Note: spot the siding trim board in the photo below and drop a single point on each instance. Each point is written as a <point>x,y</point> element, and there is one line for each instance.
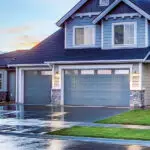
<point>87,14</point>
<point>106,11</point>
<point>131,15</point>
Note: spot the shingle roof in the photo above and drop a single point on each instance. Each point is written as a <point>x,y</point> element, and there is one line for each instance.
<point>7,58</point>
<point>52,49</point>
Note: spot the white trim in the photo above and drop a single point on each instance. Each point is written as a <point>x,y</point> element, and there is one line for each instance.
<point>71,12</point>
<point>25,65</point>
<point>125,45</point>
<point>17,80</point>
<point>141,75</point>
<point>102,35</point>
<point>145,59</point>
<point>131,15</point>
<point>63,67</point>
<point>146,33</point>
<point>65,35</point>
<point>89,14</point>
<point>114,4</point>
<point>93,38</point>
<point>3,73</point>
<point>95,61</point>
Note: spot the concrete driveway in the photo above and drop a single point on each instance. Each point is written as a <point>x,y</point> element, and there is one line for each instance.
<point>41,119</point>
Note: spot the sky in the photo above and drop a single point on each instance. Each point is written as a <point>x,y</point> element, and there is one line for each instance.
<point>24,23</point>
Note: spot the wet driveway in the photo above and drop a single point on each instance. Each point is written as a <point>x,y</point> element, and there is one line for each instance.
<point>19,123</point>
<point>28,143</point>
<point>42,119</point>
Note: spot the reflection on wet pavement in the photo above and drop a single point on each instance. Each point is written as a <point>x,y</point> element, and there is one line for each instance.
<point>27,143</point>
<point>41,119</point>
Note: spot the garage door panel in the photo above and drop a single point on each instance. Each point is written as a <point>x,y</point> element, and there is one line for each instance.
<point>37,88</point>
<point>104,90</point>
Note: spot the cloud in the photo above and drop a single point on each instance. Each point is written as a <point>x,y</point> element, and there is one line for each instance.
<point>16,29</point>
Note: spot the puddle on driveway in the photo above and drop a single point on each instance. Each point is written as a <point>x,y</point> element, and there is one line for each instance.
<point>29,119</point>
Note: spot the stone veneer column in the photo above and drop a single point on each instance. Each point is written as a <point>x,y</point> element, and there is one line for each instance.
<point>137,99</point>
<point>55,96</point>
<point>56,86</point>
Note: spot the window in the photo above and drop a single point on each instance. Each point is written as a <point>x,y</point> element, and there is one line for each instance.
<point>124,34</point>
<point>104,2</point>
<point>104,72</point>
<point>84,36</point>
<point>87,72</point>
<point>120,72</point>
<point>46,73</point>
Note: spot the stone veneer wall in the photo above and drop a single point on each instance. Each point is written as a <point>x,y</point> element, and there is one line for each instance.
<point>137,99</point>
<point>56,96</point>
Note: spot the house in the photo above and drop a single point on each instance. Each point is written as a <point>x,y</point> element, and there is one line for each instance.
<point>8,75</point>
<point>99,57</point>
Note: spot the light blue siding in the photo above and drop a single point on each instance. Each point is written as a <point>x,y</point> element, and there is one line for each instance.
<point>97,90</point>
<point>107,36</point>
<point>77,21</point>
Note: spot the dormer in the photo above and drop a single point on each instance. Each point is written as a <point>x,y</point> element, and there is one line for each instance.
<point>106,24</point>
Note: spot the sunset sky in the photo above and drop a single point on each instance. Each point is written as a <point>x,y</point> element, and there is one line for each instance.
<point>24,23</point>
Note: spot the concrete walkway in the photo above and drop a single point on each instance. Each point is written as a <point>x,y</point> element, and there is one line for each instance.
<point>115,126</point>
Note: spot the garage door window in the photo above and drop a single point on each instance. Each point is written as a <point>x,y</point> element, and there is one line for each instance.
<point>126,72</point>
<point>87,72</point>
<point>71,72</point>
<point>102,72</point>
<point>46,73</point>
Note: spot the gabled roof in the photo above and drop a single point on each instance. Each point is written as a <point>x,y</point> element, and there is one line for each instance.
<point>71,12</point>
<point>128,2</point>
<point>52,50</point>
<point>141,6</point>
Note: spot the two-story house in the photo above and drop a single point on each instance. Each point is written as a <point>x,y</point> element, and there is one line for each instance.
<point>99,57</point>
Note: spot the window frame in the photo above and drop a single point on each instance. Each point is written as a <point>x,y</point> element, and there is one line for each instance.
<point>124,45</point>
<point>93,36</point>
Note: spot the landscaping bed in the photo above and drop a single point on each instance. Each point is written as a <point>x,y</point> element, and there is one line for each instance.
<point>134,117</point>
<point>100,132</point>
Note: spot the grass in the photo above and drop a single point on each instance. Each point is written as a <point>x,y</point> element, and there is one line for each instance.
<point>100,132</point>
<point>135,117</point>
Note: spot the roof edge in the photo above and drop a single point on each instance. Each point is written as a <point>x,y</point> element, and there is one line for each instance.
<point>71,12</point>
<point>114,4</point>
<point>94,61</point>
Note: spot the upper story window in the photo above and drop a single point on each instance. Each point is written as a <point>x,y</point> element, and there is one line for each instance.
<point>104,2</point>
<point>84,36</point>
<point>124,34</point>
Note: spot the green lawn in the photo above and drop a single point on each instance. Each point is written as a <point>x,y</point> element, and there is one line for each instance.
<point>99,132</point>
<point>135,117</point>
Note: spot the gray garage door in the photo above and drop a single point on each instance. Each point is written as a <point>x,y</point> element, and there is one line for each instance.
<point>97,89</point>
<point>12,84</point>
<point>37,87</point>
